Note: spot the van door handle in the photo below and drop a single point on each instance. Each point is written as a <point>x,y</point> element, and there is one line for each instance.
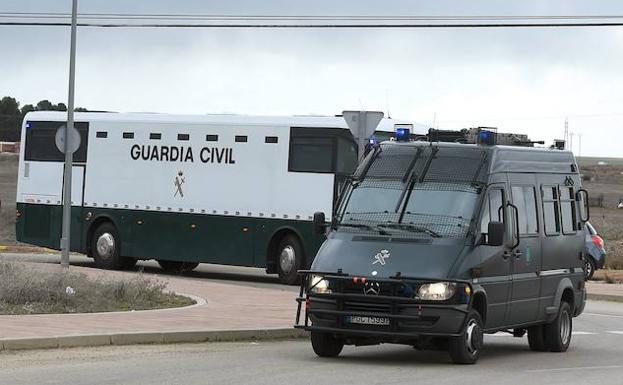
<point>506,254</point>
<point>518,254</point>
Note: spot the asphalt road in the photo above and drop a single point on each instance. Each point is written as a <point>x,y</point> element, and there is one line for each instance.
<point>595,357</point>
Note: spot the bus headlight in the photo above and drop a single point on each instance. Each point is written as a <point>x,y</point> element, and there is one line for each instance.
<point>319,285</point>
<point>438,291</point>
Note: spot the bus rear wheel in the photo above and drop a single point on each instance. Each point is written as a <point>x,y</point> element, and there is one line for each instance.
<point>289,259</point>
<point>177,267</point>
<point>106,248</point>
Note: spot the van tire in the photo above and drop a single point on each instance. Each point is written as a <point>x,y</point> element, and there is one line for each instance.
<point>106,248</point>
<point>326,345</point>
<point>558,332</point>
<point>536,338</point>
<point>465,349</point>
<point>290,258</point>
<point>177,267</point>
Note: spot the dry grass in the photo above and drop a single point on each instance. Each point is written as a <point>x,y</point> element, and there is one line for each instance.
<point>609,224</point>
<point>24,291</point>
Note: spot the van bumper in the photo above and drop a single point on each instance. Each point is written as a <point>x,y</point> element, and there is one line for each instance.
<point>406,322</point>
<point>386,318</point>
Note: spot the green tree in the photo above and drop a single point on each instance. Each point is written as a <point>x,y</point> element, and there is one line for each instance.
<point>27,108</point>
<point>45,105</point>
<point>9,106</point>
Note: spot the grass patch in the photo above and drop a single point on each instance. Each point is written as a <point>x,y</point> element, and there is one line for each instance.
<point>27,291</point>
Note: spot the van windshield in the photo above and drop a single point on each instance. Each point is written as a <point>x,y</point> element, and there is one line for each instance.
<point>436,195</point>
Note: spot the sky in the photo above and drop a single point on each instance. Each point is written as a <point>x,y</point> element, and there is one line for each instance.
<point>519,80</point>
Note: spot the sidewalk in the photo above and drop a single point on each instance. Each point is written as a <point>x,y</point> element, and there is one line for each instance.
<point>224,312</point>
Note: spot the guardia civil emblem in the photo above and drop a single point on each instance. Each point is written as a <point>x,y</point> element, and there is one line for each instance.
<point>380,257</point>
<point>179,182</point>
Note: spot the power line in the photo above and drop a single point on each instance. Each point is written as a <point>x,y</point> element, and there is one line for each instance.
<point>316,26</point>
<point>306,17</point>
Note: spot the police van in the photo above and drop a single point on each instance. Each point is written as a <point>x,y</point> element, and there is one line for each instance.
<point>434,244</point>
<point>225,189</point>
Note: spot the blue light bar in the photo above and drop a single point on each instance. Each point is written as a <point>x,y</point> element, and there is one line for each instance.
<point>403,134</point>
<point>372,140</point>
<point>487,137</point>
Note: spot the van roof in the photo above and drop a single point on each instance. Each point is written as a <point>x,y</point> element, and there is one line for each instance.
<point>518,159</point>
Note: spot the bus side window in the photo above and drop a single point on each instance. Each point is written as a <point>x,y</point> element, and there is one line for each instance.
<point>308,154</point>
<point>346,156</point>
<point>551,210</point>
<point>41,142</point>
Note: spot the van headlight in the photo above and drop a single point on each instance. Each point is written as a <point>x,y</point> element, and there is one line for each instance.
<point>319,285</point>
<point>438,291</point>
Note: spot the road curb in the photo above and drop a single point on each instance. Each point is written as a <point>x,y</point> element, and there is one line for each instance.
<point>119,339</point>
<point>605,297</point>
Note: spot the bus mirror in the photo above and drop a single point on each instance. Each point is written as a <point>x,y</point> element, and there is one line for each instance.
<point>320,225</point>
<point>495,236</point>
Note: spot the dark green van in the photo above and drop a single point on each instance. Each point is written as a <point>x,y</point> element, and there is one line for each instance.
<point>435,244</point>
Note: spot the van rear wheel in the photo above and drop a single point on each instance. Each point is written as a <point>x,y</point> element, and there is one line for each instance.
<point>536,338</point>
<point>466,348</point>
<point>326,345</point>
<point>558,333</point>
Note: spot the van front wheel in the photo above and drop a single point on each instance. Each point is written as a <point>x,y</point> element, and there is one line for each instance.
<point>326,345</point>
<point>466,348</point>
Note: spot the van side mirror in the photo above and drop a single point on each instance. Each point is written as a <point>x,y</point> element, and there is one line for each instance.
<point>495,236</point>
<point>320,224</point>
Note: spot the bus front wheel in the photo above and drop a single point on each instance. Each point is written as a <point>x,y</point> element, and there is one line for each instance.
<point>106,248</point>
<point>290,259</point>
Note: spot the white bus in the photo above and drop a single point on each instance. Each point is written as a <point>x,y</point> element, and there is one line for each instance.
<point>225,189</point>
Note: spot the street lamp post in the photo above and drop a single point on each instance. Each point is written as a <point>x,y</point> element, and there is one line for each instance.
<point>65,238</point>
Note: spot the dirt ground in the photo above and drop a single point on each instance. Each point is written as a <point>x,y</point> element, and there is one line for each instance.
<point>8,183</point>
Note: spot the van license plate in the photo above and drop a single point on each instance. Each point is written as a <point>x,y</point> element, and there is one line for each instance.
<point>365,320</point>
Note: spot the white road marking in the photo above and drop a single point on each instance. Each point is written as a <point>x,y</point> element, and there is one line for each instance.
<point>578,333</point>
<point>616,332</point>
<point>576,368</point>
<point>604,315</point>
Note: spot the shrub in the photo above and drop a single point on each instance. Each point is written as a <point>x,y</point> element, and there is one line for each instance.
<point>24,291</point>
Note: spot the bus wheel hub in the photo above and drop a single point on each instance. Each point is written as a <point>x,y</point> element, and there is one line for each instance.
<point>106,245</point>
<point>286,259</point>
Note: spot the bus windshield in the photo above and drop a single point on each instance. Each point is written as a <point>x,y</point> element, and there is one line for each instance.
<point>429,196</point>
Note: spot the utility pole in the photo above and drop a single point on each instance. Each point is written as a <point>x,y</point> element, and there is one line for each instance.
<point>65,237</point>
<point>566,132</point>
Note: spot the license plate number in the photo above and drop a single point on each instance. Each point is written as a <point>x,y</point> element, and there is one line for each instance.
<point>365,320</point>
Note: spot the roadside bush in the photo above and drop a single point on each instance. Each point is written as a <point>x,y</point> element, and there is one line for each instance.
<point>24,290</point>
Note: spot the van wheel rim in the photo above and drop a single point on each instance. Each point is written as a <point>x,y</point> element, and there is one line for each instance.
<point>565,327</point>
<point>473,335</point>
<point>105,245</point>
<point>287,258</point>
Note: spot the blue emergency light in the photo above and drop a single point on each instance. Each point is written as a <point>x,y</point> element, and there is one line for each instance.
<point>403,134</point>
<point>487,137</point>
<point>372,140</point>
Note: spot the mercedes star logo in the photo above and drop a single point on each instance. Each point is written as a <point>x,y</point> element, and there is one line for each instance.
<point>371,288</point>
<point>381,257</point>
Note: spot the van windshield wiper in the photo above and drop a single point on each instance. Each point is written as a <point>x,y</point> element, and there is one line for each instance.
<point>364,226</point>
<point>412,228</point>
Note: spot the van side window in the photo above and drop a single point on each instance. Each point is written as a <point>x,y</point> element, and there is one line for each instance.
<point>493,209</point>
<point>567,205</point>
<point>524,197</point>
<point>551,210</point>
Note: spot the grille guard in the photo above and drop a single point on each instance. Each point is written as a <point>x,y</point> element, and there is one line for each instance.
<point>339,297</point>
